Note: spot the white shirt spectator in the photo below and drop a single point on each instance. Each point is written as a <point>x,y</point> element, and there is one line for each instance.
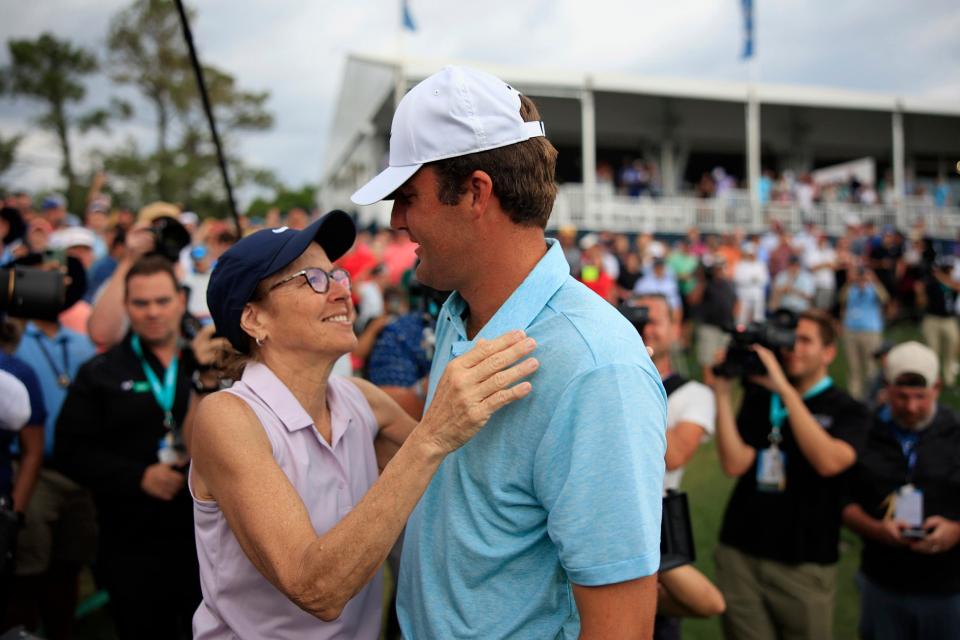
<point>799,298</point>
<point>820,262</point>
<point>750,278</point>
<point>693,402</point>
<point>665,285</point>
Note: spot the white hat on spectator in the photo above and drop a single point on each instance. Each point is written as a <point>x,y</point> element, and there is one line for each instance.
<point>656,249</point>
<point>188,217</point>
<point>589,241</point>
<point>749,248</point>
<point>73,237</point>
<point>455,112</point>
<point>14,402</point>
<point>912,357</point>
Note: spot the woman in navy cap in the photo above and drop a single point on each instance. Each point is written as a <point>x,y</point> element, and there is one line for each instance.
<point>292,520</point>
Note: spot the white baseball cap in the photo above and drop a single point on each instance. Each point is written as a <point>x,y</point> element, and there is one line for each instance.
<point>454,112</point>
<point>73,237</point>
<point>912,357</point>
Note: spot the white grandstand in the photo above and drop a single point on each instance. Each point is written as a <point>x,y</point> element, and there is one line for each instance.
<point>686,127</point>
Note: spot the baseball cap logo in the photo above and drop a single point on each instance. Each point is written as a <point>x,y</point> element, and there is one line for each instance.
<point>280,229</point>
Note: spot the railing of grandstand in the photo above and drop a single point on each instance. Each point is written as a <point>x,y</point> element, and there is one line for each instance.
<point>604,210</point>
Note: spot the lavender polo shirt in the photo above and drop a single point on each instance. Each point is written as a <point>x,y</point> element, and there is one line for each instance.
<point>238,602</point>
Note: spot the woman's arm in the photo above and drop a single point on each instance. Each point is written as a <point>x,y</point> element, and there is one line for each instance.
<point>234,465</point>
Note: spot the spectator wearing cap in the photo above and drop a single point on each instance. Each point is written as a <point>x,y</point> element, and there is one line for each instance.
<point>54,209</point>
<point>660,280</point>
<point>905,504</point>
<point>862,299</point>
<point>537,504</point>
<point>793,288</point>
<point>292,521</point>
<point>593,273</point>
<point>59,533</point>
<point>751,278</point>
<point>78,243</point>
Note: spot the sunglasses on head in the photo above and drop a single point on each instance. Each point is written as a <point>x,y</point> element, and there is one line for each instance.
<point>319,279</point>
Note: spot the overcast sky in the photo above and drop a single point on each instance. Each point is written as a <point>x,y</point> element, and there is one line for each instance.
<point>295,49</point>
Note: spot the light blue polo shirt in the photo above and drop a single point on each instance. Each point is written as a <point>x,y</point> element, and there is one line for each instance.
<point>562,486</point>
<point>64,353</point>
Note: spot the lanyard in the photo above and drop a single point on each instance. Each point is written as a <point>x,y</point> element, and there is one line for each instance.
<point>778,412</point>
<point>166,393</point>
<point>63,377</point>
<point>906,439</point>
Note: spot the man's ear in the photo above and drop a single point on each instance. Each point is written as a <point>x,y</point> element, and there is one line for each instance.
<point>479,191</point>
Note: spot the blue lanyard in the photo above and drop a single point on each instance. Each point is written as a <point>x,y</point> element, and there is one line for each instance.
<point>166,393</point>
<point>906,439</point>
<point>778,412</point>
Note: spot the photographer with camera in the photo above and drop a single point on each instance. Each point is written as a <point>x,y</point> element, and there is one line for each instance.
<point>863,299</point>
<point>123,433</point>
<point>905,504</point>
<point>691,413</point>
<point>793,437</point>
<point>157,231</point>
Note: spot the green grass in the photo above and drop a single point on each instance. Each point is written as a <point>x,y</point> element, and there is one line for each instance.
<point>708,491</point>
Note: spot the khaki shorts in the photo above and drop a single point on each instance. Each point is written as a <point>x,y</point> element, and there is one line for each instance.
<point>710,339</point>
<point>769,599</point>
<point>60,527</point>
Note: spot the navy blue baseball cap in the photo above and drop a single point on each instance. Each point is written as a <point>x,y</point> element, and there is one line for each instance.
<point>262,254</point>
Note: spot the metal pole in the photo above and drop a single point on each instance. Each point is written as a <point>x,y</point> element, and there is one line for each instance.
<point>202,86</point>
<point>588,149</point>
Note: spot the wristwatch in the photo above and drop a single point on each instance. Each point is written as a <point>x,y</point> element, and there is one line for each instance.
<point>198,385</point>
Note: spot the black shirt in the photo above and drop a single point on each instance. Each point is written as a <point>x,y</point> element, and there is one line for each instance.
<point>940,298</point>
<point>719,298</point>
<point>802,523</point>
<point>882,469</point>
<point>108,433</point>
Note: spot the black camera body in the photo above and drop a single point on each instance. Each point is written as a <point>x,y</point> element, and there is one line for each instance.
<point>779,332</point>
<point>27,292</point>
<point>170,237</point>
<point>637,314</point>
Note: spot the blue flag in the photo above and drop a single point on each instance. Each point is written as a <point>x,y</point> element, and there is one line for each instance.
<point>747,29</point>
<point>408,23</point>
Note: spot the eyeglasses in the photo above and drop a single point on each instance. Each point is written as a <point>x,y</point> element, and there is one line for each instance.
<point>318,279</point>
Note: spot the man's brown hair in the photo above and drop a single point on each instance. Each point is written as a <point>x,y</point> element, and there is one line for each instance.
<point>523,174</point>
<point>825,324</point>
<point>149,265</point>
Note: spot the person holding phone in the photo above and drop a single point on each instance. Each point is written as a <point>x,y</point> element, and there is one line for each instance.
<point>905,504</point>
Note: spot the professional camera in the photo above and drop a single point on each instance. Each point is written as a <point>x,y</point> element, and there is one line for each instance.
<point>31,293</point>
<point>637,314</point>
<point>779,332</point>
<point>170,237</point>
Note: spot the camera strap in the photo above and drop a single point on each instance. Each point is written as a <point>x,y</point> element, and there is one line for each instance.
<point>63,376</point>
<point>165,393</point>
<point>778,412</point>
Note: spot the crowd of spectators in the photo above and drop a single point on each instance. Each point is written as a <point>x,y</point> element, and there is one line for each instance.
<point>700,286</point>
<point>641,177</point>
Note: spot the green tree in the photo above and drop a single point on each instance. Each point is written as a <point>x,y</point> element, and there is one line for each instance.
<point>147,51</point>
<point>8,153</point>
<point>50,70</point>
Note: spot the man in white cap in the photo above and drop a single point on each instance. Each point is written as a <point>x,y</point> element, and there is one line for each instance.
<point>547,524</point>
<point>905,504</point>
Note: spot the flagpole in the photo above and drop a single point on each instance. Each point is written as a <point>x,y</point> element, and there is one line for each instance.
<point>753,115</point>
<point>399,87</point>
